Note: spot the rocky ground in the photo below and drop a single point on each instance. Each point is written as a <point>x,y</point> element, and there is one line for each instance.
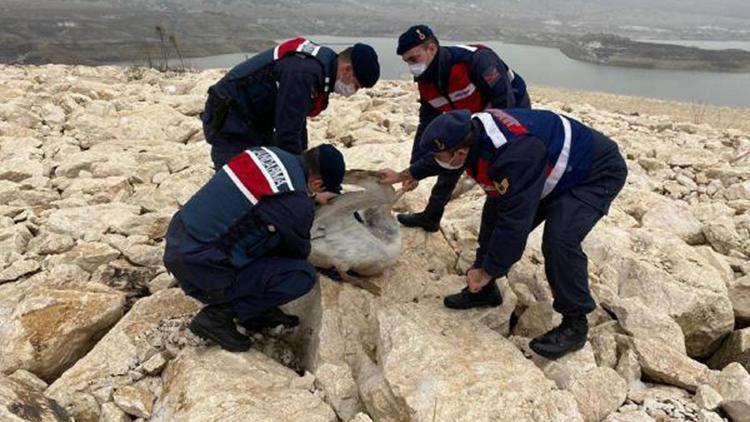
<point>94,161</point>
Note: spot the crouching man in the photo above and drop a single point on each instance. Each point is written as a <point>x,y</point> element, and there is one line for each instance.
<point>240,244</point>
<point>534,166</point>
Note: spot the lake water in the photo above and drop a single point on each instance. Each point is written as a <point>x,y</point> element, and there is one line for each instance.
<point>548,66</point>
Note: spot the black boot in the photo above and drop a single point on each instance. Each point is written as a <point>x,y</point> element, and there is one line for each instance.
<point>427,221</point>
<point>488,296</point>
<point>216,323</point>
<point>568,337</point>
<point>270,318</point>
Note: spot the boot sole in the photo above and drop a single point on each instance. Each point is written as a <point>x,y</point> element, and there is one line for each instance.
<point>429,230</point>
<point>266,326</point>
<point>208,335</point>
<point>417,226</point>
<point>484,305</point>
<point>552,356</point>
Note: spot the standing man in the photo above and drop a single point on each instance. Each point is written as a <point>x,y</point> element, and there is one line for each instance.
<point>240,244</point>
<point>453,78</point>
<point>265,100</point>
<point>534,166</point>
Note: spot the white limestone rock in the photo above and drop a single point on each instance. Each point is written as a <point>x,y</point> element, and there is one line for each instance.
<point>46,329</point>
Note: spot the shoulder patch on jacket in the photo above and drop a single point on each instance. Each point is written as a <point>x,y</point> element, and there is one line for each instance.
<point>502,186</point>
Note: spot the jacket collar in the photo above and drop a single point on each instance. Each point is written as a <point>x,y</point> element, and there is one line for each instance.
<point>472,160</point>
<point>334,68</point>
<point>439,69</point>
<point>303,165</point>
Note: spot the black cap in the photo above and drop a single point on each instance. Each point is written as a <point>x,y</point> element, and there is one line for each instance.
<point>365,64</point>
<point>413,37</point>
<point>332,167</point>
<point>446,131</point>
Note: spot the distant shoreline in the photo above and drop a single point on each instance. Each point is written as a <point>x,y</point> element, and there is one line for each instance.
<point>613,50</point>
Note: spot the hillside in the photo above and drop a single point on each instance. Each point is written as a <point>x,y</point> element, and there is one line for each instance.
<point>94,162</point>
<point>619,51</point>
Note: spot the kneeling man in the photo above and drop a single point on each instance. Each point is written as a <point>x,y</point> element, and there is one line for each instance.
<point>240,244</point>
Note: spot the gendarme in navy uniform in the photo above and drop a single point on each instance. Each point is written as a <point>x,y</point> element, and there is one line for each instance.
<point>265,100</point>
<point>535,166</point>
<point>240,244</point>
<point>470,77</point>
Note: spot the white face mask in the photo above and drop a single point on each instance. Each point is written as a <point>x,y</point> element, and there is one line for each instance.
<point>344,89</point>
<point>449,165</point>
<point>417,69</point>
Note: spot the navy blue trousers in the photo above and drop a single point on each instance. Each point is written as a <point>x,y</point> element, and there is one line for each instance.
<point>205,273</point>
<point>568,218</point>
<point>441,194</point>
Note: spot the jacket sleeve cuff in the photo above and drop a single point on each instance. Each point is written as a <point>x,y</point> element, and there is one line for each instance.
<point>419,172</point>
<point>493,269</point>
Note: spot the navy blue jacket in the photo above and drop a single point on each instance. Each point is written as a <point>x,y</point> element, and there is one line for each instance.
<point>522,165</point>
<point>292,214</point>
<point>270,108</point>
<point>256,205</point>
<point>505,226</point>
<point>203,264</point>
<point>501,93</point>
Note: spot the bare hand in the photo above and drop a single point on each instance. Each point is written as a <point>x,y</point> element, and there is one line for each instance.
<point>389,177</point>
<point>324,197</point>
<point>477,278</point>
